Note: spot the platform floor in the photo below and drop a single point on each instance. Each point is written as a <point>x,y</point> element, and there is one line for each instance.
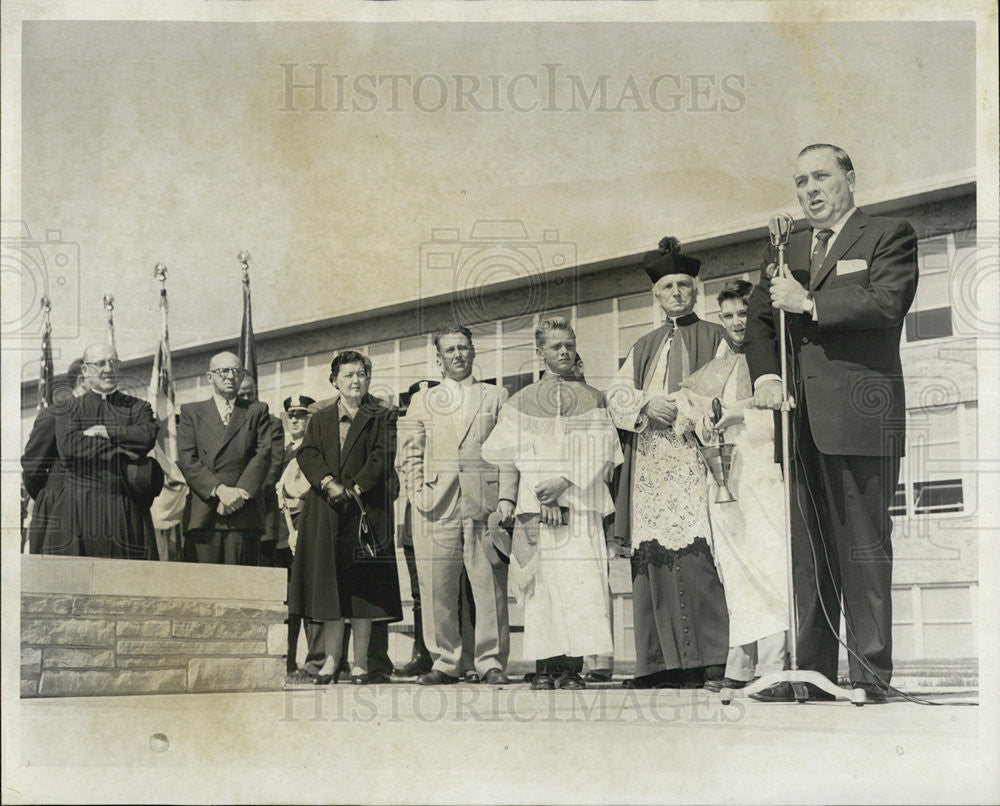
<point>470,743</point>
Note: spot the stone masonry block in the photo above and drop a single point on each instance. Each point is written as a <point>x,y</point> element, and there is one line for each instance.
<point>235,674</point>
<point>143,628</point>
<point>135,606</point>
<point>31,659</point>
<point>246,630</point>
<point>62,658</point>
<point>192,647</point>
<point>34,603</point>
<point>29,684</point>
<point>256,611</point>
<point>67,683</point>
<point>73,631</point>
<point>277,639</point>
<point>152,662</point>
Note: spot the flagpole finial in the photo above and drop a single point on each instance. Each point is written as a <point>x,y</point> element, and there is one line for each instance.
<point>160,272</point>
<point>244,258</point>
<point>109,302</point>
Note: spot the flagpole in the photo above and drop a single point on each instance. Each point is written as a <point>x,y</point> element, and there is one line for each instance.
<point>109,306</point>
<point>248,350</point>
<point>45,372</point>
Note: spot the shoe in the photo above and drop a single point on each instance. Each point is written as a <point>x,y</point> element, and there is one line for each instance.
<point>598,676</point>
<point>360,679</point>
<point>569,680</point>
<point>416,667</point>
<point>324,679</point>
<point>715,686</point>
<point>542,682</point>
<point>876,694</point>
<point>655,680</point>
<point>495,677</point>
<point>471,677</point>
<point>377,678</point>
<point>436,678</point>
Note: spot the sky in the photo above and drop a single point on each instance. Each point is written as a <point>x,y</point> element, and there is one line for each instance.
<point>180,143</point>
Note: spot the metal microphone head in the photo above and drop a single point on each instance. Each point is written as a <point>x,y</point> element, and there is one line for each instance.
<point>780,229</point>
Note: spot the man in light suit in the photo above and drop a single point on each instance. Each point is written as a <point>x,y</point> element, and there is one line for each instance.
<point>224,452</point>
<point>853,280</point>
<point>452,491</point>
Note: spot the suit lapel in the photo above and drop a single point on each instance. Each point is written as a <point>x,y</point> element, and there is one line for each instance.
<point>478,393</point>
<point>358,425</point>
<point>209,414</point>
<point>845,240</point>
<point>236,421</point>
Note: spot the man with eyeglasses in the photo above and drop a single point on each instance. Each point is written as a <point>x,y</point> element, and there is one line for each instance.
<point>103,437</point>
<point>224,452</point>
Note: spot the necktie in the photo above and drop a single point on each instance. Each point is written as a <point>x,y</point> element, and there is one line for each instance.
<point>819,251</point>
<point>229,412</point>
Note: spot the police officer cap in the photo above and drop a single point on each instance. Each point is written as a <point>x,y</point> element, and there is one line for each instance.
<point>298,403</point>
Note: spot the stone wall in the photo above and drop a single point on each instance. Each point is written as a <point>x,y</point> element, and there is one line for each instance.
<point>103,627</point>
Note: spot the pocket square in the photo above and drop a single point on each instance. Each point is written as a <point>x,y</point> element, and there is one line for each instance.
<point>851,266</point>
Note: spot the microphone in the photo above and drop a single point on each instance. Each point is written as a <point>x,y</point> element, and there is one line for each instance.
<point>780,228</point>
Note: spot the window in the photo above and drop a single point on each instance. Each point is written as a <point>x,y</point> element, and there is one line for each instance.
<point>931,475</point>
<point>637,315</point>
<point>930,314</point>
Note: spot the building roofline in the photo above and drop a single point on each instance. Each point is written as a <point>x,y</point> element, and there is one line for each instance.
<point>950,187</point>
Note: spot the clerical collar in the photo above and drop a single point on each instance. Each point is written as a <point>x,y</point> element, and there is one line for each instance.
<point>104,395</point>
<point>686,319</point>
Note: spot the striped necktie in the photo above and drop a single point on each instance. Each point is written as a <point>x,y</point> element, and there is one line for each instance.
<point>819,251</point>
<point>229,412</point>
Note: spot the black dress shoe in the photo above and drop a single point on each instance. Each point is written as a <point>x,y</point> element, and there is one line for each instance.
<point>875,693</point>
<point>471,676</point>
<point>598,676</point>
<point>717,685</point>
<point>378,677</point>
<point>361,679</point>
<point>542,682</point>
<point>324,679</point>
<point>416,667</point>
<point>656,680</point>
<point>495,677</point>
<point>569,680</point>
<point>436,678</point>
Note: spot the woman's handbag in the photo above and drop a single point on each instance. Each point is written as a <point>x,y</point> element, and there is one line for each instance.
<point>366,535</point>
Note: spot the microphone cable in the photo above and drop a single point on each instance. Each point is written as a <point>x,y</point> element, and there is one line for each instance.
<point>796,455</point>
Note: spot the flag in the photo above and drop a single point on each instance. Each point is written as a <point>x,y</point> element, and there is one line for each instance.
<point>45,372</point>
<point>168,506</point>
<point>248,351</point>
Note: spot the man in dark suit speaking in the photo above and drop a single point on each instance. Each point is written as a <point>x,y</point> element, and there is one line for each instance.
<point>853,280</point>
<point>224,452</point>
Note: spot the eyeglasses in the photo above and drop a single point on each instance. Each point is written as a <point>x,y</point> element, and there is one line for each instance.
<point>227,372</point>
<point>111,363</point>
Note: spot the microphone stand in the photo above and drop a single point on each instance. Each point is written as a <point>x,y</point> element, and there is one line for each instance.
<point>796,677</point>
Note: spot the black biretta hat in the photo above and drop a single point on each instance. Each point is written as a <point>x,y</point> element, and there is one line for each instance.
<point>669,260</point>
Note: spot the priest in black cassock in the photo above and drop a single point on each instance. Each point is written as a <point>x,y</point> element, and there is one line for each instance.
<point>680,617</point>
<point>104,436</point>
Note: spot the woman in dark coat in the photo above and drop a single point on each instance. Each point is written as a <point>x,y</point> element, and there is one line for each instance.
<point>349,445</point>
